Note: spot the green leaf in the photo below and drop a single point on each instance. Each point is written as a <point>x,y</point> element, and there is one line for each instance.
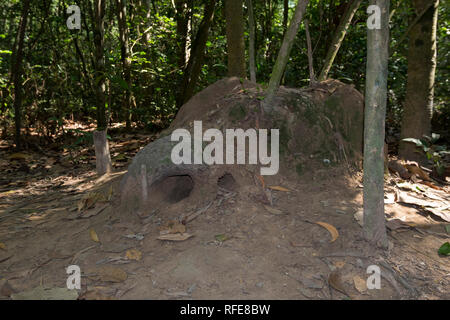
<point>444,249</point>
<point>221,237</point>
<point>435,137</point>
<point>414,140</point>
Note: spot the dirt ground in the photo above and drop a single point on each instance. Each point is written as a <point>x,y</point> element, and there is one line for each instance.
<point>54,213</point>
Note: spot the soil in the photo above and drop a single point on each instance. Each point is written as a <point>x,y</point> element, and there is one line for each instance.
<point>255,238</point>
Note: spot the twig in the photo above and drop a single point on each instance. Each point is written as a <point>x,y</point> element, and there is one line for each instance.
<point>196,214</point>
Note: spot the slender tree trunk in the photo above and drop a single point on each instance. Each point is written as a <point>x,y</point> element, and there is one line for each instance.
<point>103,159</point>
<point>183,17</point>
<point>312,77</point>
<point>102,156</point>
<point>125,57</point>
<point>99,62</point>
<point>194,66</point>
<point>235,38</point>
<point>338,37</point>
<point>374,117</point>
<point>147,4</point>
<point>17,72</point>
<point>283,54</point>
<point>251,45</point>
<point>285,15</point>
<point>418,106</point>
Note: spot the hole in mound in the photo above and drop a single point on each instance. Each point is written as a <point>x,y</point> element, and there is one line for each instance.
<point>173,189</point>
<point>227,182</point>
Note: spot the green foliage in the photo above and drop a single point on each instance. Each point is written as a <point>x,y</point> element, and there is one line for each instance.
<point>444,249</point>
<point>435,153</point>
<point>59,73</point>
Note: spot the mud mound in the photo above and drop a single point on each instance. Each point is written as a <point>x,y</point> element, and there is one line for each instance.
<point>319,125</point>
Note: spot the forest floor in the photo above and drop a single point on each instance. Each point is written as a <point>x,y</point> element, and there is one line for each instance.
<point>55,213</point>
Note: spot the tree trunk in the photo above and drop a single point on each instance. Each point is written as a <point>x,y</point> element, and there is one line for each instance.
<point>195,63</point>
<point>374,117</point>
<point>17,72</point>
<point>251,45</point>
<point>125,57</point>
<point>182,17</point>
<point>102,157</point>
<point>235,38</point>
<point>338,37</point>
<point>418,107</point>
<point>312,77</point>
<point>283,54</point>
<point>99,62</point>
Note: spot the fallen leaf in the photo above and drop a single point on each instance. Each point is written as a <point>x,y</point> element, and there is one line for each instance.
<point>360,284</point>
<point>221,237</point>
<point>111,274</point>
<point>133,254</point>
<point>339,264</point>
<point>334,280</point>
<point>405,198</point>
<point>173,227</point>
<point>445,249</point>
<point>279,188</point>
<point>273,210</point>
<point>2,246</point>
<point>94,235</point>
<point>331,229</point>
<point>175,237</point>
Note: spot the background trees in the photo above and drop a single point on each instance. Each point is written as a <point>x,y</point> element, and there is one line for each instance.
<point>157,54</point>
<point>422,49</point>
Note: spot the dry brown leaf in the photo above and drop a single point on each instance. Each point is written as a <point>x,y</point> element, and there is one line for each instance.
<point>94,235</point>
<point>331,229</point>
<point>279,188</point>
<point>2,246</point>
<point>339,264</point>
<point>175,237</point>
<point>172,227</point>
<point>133,254</point>
<point>334,280</point>
<point>111,274</point>
<point>273,210</point>
<point>360,284</point>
